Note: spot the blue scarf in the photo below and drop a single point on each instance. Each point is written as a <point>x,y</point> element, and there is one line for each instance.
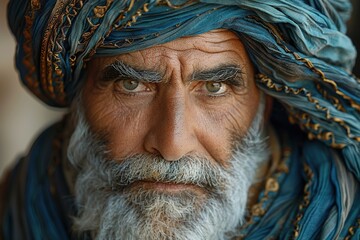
<point>38,204</point>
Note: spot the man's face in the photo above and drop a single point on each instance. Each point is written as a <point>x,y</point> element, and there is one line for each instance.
<point>184,97</point>
<point>168,140</point>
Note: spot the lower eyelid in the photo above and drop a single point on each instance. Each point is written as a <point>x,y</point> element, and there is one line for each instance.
<point>206,94</point>
<point>118,89</point>
<point>217,97</point>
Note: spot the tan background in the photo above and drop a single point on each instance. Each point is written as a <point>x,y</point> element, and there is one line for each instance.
<point>22,117</point>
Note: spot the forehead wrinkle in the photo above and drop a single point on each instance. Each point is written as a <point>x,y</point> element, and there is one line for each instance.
<point>142,57</point>
<point>195,47</point>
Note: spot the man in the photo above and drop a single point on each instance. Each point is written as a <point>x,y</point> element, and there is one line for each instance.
<point>188,120</point>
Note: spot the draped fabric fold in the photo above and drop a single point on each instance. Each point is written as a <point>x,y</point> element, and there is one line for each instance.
<point>39,204</point>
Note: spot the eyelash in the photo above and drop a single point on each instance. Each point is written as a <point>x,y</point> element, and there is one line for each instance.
<point>229,85</point>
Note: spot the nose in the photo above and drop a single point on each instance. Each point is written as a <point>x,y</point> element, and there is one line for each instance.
<point>171,133</point>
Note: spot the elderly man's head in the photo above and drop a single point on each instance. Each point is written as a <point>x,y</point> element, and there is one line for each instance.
<point>168,140</point>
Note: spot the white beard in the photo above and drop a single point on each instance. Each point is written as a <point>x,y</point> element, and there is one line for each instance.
<point>109,208</point>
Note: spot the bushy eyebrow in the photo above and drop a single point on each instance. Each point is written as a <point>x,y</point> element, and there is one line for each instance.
<point>231,74</point>
<point>120,70</point>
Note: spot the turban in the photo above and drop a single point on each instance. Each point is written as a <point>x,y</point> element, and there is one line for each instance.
<point>299,48</point>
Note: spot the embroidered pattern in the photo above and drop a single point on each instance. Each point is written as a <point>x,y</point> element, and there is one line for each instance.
<point>315,131</point>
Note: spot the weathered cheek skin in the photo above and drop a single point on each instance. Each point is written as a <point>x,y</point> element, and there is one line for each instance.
<point>172,120</point>
<point>218,126</point>
<point>120,124</point>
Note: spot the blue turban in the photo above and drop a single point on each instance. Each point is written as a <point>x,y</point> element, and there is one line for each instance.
<point>302,57</point>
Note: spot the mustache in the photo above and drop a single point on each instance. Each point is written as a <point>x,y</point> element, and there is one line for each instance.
<point>195,170</point>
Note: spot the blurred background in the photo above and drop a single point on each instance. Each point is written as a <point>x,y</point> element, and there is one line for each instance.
<point>22,117</point>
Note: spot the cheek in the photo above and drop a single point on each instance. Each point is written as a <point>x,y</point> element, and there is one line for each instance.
<point>121,126</point>
<point>218,126</point>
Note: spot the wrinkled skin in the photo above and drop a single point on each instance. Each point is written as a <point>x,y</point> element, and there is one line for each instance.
<point>177,116</point>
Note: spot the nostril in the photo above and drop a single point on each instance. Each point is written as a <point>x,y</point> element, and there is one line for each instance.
<point>154,152</point>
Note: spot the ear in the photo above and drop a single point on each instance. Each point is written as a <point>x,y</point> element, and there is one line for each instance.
<point>268,107</point>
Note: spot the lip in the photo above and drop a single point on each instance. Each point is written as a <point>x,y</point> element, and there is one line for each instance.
<point>164,186</point>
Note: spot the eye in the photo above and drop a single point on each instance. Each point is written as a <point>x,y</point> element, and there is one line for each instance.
<point>215,88</point>
<point>132,86</point>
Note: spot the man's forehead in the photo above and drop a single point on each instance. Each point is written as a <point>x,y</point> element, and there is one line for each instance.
<point>207,50</point>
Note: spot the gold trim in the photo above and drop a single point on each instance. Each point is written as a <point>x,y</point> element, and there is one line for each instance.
<point>85,38</point>
<point>272,185</point>
<point>279,39</point>
<point>129,23</point>
<point>306,201</point>
<point>352,229</point>
<point>51,72</point>
<point>35,5</point>
<point>99,11</point>
<point>173,6</point>
<point>28,60</point>
<point>303,119</point>
<point>46,56</point>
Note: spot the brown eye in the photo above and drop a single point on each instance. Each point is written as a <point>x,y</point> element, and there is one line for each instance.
<point>130,85</point>
<point>214,87</point>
